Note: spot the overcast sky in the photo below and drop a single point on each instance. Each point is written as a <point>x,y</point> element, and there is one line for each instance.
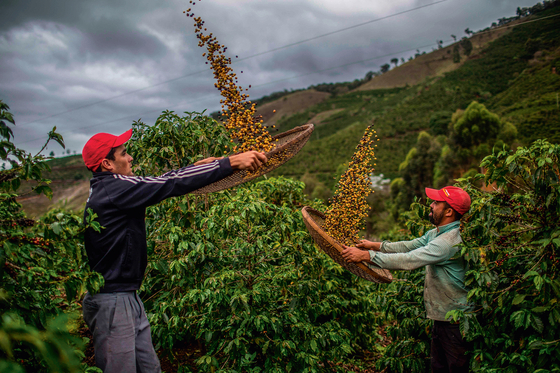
<point>95,66</point>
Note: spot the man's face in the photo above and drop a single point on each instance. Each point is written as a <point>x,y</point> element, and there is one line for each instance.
<point>437,212</point>
<point>123,162</point>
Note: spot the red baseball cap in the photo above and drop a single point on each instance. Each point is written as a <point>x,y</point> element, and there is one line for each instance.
<point>97,148</point>
<point>457,198</point>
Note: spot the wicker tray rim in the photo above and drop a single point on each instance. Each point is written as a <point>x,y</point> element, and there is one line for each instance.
<point>307,211</point>
<point>303,134</point>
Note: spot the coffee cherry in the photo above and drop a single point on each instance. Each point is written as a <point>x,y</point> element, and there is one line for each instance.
<point>349,208</point>
<point>238,112</point>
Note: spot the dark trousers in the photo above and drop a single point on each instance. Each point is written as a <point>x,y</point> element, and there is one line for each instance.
<point>121,333</point>
<point>448,349</point>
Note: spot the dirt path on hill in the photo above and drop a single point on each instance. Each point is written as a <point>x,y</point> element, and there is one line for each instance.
<point>71,196</point>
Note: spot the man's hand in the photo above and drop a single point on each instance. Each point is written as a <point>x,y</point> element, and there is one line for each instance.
<point>369,245</point>
<point>355,255</point>
<point>250,160</point>
<point>206,160</point>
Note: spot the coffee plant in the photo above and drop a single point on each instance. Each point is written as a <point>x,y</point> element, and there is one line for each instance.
<point>43,271</point>
<point>512,241</point>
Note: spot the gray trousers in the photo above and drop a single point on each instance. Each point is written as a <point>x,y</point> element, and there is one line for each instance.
<point>121,333</point>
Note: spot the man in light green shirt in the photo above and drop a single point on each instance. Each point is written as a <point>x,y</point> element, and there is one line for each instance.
<point>444,287</point>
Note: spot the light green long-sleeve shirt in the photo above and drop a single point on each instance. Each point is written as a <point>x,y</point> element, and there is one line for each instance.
<point>444,285</point>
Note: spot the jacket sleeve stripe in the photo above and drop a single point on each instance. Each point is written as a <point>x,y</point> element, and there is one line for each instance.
<point>178,174</point>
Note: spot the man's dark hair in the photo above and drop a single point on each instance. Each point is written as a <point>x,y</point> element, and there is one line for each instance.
<point>456,214</point>
<point>110,156</point>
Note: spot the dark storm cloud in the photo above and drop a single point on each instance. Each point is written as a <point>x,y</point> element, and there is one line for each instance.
<point>114,40</point>
<point>100,29</point>
<point>72,13</point>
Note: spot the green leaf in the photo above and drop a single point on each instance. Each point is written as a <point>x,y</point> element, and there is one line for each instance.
<point>44,189</point>
<point>265,347</point>
<point>518,299</point>
<point>16,183</point>
<point>538,280</point>
<point>537,323</point>
<point>11,367</point>
<point>53,135</point>
<point>5,344</point>
<point>57,229</point>
<point>554,317</point>
<point>517,318</point>
<point>530,274</point>
<point>533,345</point>
<point>71,290</point>
<point>313,345</point>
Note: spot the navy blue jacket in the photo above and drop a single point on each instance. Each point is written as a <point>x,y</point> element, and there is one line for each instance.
<point>119,251</point>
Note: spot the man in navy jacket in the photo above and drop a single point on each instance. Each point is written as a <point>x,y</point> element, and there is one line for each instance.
<point>116,316</point>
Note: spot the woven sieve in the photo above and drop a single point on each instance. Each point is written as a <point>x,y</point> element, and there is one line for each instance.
<point>289,144</point>
<point>314,220</point>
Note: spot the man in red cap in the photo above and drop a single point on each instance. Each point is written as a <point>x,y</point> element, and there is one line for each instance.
<point>444,286</point>
<point>116,316</point>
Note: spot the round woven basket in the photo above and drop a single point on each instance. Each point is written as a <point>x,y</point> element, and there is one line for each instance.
<point>288,144</point>
<point>314,220</point>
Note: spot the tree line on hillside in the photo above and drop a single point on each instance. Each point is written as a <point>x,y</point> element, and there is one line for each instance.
<point>537,8</point>
<point>465,45</point>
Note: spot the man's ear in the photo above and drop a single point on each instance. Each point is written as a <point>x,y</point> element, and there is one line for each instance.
<point>449,212</point>
<point>107,165</point>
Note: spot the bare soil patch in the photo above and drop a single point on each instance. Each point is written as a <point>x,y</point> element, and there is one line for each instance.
<point>323,116</point>
<point>71,195</point>
<point>290,104</point>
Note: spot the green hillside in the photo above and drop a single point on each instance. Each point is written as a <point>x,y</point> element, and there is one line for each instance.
<point>512,76</point>
<point>531,101</point>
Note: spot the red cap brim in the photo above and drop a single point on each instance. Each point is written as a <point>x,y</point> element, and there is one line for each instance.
<point>122,138</point>
<point>433,194</point>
